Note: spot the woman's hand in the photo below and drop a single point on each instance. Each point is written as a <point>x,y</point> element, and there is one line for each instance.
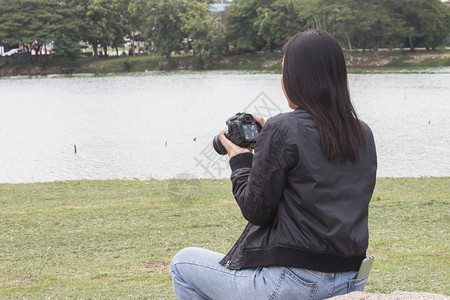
<point>232,149</point>
<point>260,120</point>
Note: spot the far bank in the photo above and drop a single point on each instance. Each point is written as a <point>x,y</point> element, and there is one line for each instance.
<point>259,62</point>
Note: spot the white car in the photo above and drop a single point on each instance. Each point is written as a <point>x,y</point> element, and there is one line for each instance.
<point>13,51</point>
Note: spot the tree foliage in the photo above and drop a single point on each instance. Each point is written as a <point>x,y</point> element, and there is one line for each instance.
<point>277,22</point>
<point>239,21</point>
<point>106,25</point>
<point>28,23</point>
<point>162,25</point>
<point>204,32</point>
<point>69,32</point>
<point>169,26</point>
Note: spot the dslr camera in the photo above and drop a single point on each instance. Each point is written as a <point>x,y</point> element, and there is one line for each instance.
<point>243,130</point>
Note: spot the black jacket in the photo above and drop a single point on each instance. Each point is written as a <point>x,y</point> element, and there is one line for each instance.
<point>303,210</point>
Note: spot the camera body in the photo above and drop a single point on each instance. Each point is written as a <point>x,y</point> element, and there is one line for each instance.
<point>243,131</point>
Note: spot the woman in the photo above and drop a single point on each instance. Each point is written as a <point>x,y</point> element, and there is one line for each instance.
<point>305,192</point>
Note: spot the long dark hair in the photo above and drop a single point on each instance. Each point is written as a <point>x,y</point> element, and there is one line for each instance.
<point>315,78</point>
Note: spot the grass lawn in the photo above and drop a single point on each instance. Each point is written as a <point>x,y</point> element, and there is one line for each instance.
<point>115,238</point>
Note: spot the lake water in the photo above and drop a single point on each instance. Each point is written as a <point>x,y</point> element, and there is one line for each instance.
<point>160,125</point>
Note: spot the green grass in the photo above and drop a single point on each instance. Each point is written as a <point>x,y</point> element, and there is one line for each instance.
<point>115,64</point>
<point>253,62</point>
<point>409,235</point>
<point>115,238</point>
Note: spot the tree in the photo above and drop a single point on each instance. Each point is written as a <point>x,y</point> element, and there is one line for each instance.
<point>68,29</point>
<point>29,23</point>
<point>253,25</point>
<point>240,30</point>
<point>135,13</point>
<point>317,13</point>
<point>277,22</point>
<point>94,16</point>
<point>378,24</point>
<point>105,24</point>
<point>162,25</point>
<point>118,24</point>
<point>409,10</point>
<point>426,20</point>
<point>345,20</point>
<point>205,31</point>
<point>434,22</point>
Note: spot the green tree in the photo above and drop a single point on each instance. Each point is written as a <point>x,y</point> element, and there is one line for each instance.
<point>68,29</point>
<point>29,23</point>
<point>434,22</point>
<point>94,17</point>
<point>409,10</point>
<point>162,25</point>
<point>425,20</point>
<point>345,19</point>
<point>105,23</point>
<point>118,24</point>
<point>204,30</point>
<point>378,24</point>
<point>135,13</point>
<point>240,30</point>
<point>317,13</point>
<point>277,22</point>
<point>339,17</point>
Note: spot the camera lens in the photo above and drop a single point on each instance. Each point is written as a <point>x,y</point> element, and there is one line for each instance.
<point>217,144</point>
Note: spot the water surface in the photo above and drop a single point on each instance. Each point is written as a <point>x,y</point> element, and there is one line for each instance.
<point>160,125</point>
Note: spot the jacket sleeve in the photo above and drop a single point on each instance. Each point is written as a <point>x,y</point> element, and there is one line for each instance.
<point>258,179</point>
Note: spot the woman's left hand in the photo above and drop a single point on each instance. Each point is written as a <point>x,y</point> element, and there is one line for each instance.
<point>232,149</point>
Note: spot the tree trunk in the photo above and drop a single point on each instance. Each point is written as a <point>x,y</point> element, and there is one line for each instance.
<point>95,48</point>
<point>349,42</point>
<point>375,46</point>
<point>133,50</point>
<point>317,23</point>
<point>411,44</point>
<point>427,45</point>
<point>271,47</point>
<point>324,22</point>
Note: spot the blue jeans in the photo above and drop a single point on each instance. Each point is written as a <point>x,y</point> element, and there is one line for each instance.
<point>197,274</point>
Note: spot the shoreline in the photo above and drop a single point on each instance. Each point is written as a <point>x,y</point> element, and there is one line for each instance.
<point>357,62</point>
<point>147,180</point>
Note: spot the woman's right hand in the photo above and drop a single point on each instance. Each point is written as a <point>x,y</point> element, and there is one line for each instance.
<point>260,120</point>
